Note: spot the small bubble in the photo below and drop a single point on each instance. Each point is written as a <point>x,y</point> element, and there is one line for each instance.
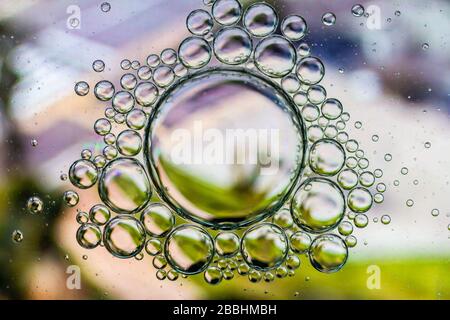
<point>34,142</point>
<point>409,202</point>
<point>17,236</point>
<point>71,198</point>
<point>385,219</point>
<point>35,205</point>
<point>425,46</point>
<point>397,13</point>
<point>375,138</point>
<point>98,65</point>
<point>358,10</point>
<point>125,64</point>
<point>358,124</point>
<point>427,145</point>
<point>329,19</point>
<point>81,88</point>
<point>388,157</point>
<point>105,6</point>
<point>361,220</point>
<point>435,212</point>
<point>404,171</point>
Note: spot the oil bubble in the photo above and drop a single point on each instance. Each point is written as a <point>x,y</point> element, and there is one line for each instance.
<point>83,174</point>
<point>318,205</point>
<point>329,19</point>
<point>17,236</point>
<point>136,119</point>
<point>361,220</point>
<point>351,241</point>
<point>359,200</point>
<point>153,247</point>
<point>163,76</point>
<point>189,249</point>
<point>146,94</point>
<point>158,220</point>
<point>199,22</point>
<point>89,236</point>
<point>264,246</point>
<point>310,70</point>
<point>345,228</point>
<point>385,219</point>
<point>358,10</point>
<point>227,244</point>
<point>71,198</point>
<point>102,126</point>
<point>332,109</point>
<point>283,219</point>
<point>328,253</point>
<point>194,52</point>
<point>227,12</point>
<point>435,212</point>
<point>81,88</point>
<point>124,186</point>
<point>260,19</point>
<point>326,157</point>
<point>254,276</point>
<point>82,217</point>
<point>129,143</point>
<point>310,112</point>
<point>303,49</point>
<point>177,186</point>
<point>347,179</point>
<point>145,73</point>
<point>124,237</point>
<point>128,81</point>
<point>123,102</point>
<point>168,56</point>
<point>290,83</point>
<point>105,6</point>
<point>293,27</point>
<point>98,65</point>
<point>110,152</point>
<point>275,56</point>
<point>317,94</point>
<point>153,60</point>
<point>315,133</point>
<point>35,205</point>
<point>300,242</point>
<point>99,214</point>
<point>104,90</point>
<point>125,64</point>
<point>367,179</point>
<point>213,275</point>
<point>232,46</point>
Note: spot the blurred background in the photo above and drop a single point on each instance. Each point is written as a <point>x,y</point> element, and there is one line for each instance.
<point>390,70</point>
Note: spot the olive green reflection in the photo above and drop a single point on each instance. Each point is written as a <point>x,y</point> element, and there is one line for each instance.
<point>225,148</point>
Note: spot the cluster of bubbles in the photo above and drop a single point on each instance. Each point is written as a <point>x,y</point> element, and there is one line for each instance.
<point>333,195</point>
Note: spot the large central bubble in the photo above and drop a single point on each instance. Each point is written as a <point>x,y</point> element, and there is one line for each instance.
<point>225,148</point>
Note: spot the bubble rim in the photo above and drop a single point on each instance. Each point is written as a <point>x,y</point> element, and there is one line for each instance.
<point>297,119</point>
<point>140,226</point>
<point>335,143</point>
<point>322,231</point>
<point>315,265</point>
<point>255,4</point>
<point>108,203</point>
<point>200,229</point>
<point>276,265</point>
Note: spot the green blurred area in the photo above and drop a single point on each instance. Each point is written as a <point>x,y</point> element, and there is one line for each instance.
<point>404,277</point>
